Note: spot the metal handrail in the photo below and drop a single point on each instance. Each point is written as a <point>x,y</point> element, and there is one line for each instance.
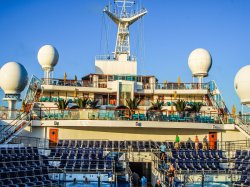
<point>15,121</point>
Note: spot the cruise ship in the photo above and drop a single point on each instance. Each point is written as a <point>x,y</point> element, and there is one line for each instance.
<point>109,127</point>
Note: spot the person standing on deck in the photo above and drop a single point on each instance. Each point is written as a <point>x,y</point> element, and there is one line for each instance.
<point>163,151</point>
<point>196,143</point>
<point>177,142</point>
<point>205,143</point>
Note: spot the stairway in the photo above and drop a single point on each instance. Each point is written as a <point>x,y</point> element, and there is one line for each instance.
<point>242,126</point>
<point>218,102</point>
<point>15,127</point>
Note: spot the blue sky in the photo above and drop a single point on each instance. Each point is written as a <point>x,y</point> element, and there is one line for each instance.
<point>171,30</point>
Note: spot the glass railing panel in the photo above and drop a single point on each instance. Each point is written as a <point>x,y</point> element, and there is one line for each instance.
<point>125,114</point>
<point>181,86</point>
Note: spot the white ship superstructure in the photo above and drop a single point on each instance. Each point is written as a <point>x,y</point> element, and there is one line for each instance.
<point>118,111</point>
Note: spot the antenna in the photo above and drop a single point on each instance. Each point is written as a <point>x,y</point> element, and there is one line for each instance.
<point>123,18</point>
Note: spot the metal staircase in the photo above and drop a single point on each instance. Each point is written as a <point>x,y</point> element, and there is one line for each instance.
<point>218,102</point>
<point>15,127</point>
<point>242,126</point>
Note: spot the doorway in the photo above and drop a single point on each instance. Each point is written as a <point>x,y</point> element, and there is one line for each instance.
<point>212,140</point>
<point>142,169</point>
<point>53,137</point>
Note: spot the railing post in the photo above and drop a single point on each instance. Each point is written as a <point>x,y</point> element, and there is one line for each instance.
<point>202,179</point>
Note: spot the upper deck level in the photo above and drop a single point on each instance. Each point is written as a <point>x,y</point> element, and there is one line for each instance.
<point>110,83</point>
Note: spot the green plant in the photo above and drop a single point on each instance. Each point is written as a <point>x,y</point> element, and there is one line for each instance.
<point>82,103</point>
<point>133,103</point>
<point>86,103</point>
<point>62,104</point>
<point>156,105</point>
<point>197,106</point>
<point>93,104</point>
<point>180,105</point>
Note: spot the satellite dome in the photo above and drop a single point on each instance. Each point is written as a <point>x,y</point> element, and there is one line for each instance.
<point>199,62</point>
<point>48,57</point>
<point>13,78</point>
<point>242,84</point>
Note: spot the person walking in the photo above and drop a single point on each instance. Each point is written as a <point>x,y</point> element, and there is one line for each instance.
<point>189,143</point>
<point>204,143</point>
<point>177,142</point>
<point>162,151</point>
<point>171,175</point>
<point>196,143</point>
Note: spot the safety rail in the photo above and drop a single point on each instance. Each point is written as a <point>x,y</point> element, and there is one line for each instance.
<point>16,126</point>
<point>218,102</point>
<point>180,86</point>
<point>149,145</point>
<point>242,125</point>
<point>217,97</point>
<point>26,141</point>
<point>125,114</point>
<point>82,165</point>
<point>145,86</point>
<point>11,127</point>
<point>234,145</point>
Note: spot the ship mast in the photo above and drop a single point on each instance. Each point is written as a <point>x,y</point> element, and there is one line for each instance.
<point>123,18</point>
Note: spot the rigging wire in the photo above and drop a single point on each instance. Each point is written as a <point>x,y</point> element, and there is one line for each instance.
<point>106,34</point>
<point>104,42</point>
<point>100,47</point>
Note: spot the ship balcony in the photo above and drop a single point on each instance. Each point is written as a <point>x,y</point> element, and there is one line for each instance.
<point>129,115</point>
<point>77,85</point>
<point>74,83</point>
<point>108,84</point>
<point>173,88</point>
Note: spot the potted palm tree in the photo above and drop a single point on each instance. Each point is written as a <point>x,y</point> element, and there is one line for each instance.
<point>197,107</point>
<point>154,112</point>
<point>133,104</point>
<point>180,107</point>
<point>62,104</point>
<point>82,103</point>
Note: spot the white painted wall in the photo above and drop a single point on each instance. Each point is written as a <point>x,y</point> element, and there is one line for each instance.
<point>80,130</point>
<point>114,67</point>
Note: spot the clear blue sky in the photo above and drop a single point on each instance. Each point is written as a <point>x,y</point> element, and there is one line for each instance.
<point>172,29</point>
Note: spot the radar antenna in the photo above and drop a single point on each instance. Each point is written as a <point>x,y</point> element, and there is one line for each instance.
<point>123,16</point>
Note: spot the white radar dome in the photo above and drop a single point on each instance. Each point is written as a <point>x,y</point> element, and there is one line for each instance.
<point>242,84</point>
<point>48,57</point>
<point>13,78</point>
<point>200,62</point>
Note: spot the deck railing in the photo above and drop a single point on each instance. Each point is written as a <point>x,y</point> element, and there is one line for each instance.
<point>146,86</point>
<point>49,113</point>
<point>126,114</point>
<point>181,86</point>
